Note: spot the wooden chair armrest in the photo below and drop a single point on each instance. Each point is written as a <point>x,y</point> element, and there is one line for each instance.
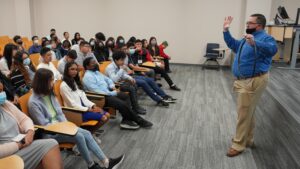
<point>66,128</point>
<point>95,97</point>
<point>72,109</point>
<point>94,93</point>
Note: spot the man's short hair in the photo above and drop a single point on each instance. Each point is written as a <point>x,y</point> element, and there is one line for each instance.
<point>260,19</point>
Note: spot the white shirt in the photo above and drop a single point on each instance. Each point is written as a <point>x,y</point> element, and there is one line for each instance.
<point>50,66</point>
<point>73,98</point>
<point>4,67</point>
<point>53,57</point>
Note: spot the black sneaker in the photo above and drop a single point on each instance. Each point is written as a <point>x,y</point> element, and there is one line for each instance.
<point>141,110</point>
<point>144,123</point>
<point>163,103</point>
<point>114,163</point>
<point>159,84</point>
<point>170,97</point>
<point>174,87</point>
<point>129,125</point>
<point>96,166</point>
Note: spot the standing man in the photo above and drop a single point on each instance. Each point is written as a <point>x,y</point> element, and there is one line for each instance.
<point>250,67</point>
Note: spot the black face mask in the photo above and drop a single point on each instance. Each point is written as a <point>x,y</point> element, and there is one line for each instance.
<point>20,42</point>
<point>96,68</point>
<point>250,31</point>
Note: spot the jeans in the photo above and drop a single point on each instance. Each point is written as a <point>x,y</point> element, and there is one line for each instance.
<point>150,87</point>
<point>85,143</point>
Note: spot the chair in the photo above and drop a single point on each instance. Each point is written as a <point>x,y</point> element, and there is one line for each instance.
<point>103,65</point>
<point>35,59</point>
<point>211,56</point>
<point>23,101</point>
<point>5,39</point>
<point>55,63</point>
<point>13,161</point>
<point>74,115</point>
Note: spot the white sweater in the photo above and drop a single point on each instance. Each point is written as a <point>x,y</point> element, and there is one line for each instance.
<point>73,98</point>
<point>4,67</point>
<point>50,66</point>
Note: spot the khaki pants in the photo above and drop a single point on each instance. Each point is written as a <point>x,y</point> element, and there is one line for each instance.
<point>249,92</point>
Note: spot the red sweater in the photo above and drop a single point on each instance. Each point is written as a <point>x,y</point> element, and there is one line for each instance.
<point>162,53</point>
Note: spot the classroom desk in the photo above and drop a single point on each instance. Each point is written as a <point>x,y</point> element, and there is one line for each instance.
<point>285,35</point>
<point>66,128</point>
<point>11,162</point>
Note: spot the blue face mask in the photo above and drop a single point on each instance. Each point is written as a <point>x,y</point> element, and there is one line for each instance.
<point>2,97</point>
<point>49,46</point>
<point>131,51</point>
<point>26,61</point>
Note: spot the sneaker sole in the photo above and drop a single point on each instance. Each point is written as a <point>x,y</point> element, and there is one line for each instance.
<point>119,163</point>
<point>124,126</point>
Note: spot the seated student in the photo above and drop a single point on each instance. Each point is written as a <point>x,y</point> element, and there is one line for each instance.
<point>9,52</point>
<point>67,38</point>
<point>46,58</point>
<point>95,81</point>
<point>52,32</point>
<point>154,52</point>
<point>110,46</point>
<point>70,57</point>
<point>92,42</point>
<point>100,52</point>
<point>55,47</point>
<point>140,56</point>
<point>120,41</point>
<point>9,89</point>
<point>18,40</point>
<point>145,43</point>
<point>76,39</point>
<point>36,47</point>
<point>166,57</point>
<point>116,71</point>
<point>71,90</point>
<point>45,109</point>
<point>47,44</point>
<point>84,52</point>
<point>65,47</point>
<point>127,84</point>
<point>20,76</point>
<point>35,153</point>
<point>135,67</point>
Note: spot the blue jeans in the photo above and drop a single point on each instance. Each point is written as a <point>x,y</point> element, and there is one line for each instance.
<point>85,143</point>
<point>150,87</point>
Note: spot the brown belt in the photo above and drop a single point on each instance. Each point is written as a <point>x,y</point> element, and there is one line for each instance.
<point>256,75</point>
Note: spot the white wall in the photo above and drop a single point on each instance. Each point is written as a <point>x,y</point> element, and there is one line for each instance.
<point>15,18</point>
<point>186,24</point>
<point>291,7</point>
<point>7,18</point>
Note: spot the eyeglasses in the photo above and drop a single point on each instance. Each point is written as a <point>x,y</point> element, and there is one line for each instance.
<point>251,23</point>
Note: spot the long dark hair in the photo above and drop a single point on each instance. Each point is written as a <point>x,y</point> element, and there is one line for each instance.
<point>150,49</point>
<point>18,65</point>
<point>113,42</point>
<point>41,82</point>
<point>72,82</point>
<point>8,53</point>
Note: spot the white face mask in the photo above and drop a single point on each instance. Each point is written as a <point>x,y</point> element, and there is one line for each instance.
<point>36,42</point>
<point>92,43</point>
